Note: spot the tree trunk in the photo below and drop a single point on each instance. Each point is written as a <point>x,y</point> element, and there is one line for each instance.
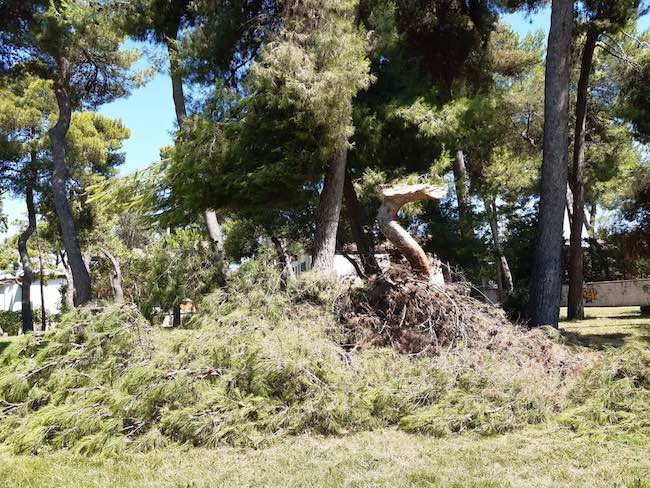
<point>82,286</point>
<point>504,267</point>
<point>209,216</point>
<point>176,316</point>
<point>546,282</point>
<point>591,229</point>
<point>394,198</point>
<point>569,204</point>
<point>576,309</point>
<point>365,247</point>
<point>116,280</point>
<point>214,230</point>
<point>42,289</point>
<point>462,195</point>
<point>28,274</point>
<point>329,212</point>
<point>284,261</point>
<point>69,291</point>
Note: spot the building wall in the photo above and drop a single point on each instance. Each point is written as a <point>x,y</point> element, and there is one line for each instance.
<point>624,293</point>
<point>11,296</point>
<point>342,266</point>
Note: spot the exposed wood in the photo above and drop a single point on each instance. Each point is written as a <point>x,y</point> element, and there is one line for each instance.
<point>394,198</point>
<point>546,282</point>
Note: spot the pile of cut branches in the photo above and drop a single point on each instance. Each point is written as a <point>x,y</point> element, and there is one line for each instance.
<point>400,309</point>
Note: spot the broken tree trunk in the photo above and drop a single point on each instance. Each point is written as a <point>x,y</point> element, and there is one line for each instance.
<point>394,198</point>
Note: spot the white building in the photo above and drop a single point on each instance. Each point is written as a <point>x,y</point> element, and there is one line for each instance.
<point>342,266</point>
<point>11,294</point>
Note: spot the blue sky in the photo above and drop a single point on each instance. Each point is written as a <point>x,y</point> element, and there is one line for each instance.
<point>149,112</point>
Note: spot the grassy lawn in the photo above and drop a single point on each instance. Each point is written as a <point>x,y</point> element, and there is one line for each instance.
<point>531,458</point>
<point>608,327</point>
<point>547,456</point>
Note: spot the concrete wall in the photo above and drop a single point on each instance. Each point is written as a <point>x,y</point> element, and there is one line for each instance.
<point>625,293</point>
<point>11,296</point>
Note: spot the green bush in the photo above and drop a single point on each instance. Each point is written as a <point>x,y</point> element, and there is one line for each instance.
<point>10,322</point>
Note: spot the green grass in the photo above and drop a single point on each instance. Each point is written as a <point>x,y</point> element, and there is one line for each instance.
<point>608,327</point>
<point>530,458</point>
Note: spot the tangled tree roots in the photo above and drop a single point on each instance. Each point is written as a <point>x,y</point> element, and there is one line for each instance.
<point>404,311</point>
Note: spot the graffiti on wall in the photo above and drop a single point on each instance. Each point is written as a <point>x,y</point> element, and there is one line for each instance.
<point>590,294</point>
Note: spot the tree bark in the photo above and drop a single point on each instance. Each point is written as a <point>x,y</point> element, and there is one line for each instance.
<point>176,316</point>
<point>284,261</point>
<point>462,195</point>
<point>329,212</point>
<point>591,228</point>
<point>365,247</point>
<point>504,267</point>
<point>116,280</point>
<point>82,285</point>
<point>546,282</point>
<point>575,302</point>
<point>569,204</point>
<point>42,290</point>
<point>209,216</point>
<point>394,198</point>
<point>178,93</point>
<point>28,274</point>
<point>69,291</point>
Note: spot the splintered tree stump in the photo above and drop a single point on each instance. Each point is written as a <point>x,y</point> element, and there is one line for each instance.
<point>394,198</point>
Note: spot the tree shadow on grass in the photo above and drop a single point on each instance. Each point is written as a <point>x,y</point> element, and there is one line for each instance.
<point>602,341</point>
<point>4,345</point>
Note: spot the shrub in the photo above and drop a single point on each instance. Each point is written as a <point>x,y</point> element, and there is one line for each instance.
<point>10,322</point>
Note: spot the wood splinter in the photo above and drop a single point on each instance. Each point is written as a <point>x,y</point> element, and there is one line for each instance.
<point>394,198</point>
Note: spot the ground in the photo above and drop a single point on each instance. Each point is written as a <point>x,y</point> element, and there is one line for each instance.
<point>547,456</point>
<point>608,327</point>
<point>531,458</point>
